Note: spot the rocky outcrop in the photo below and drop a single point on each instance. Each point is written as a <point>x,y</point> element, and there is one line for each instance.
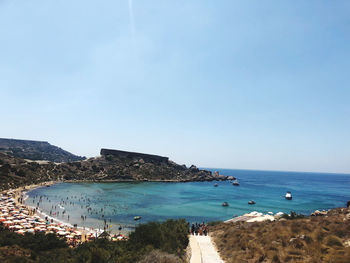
<point>132,155</point>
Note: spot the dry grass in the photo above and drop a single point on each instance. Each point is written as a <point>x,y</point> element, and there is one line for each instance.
<point>312,239</point>
<point>157,256</point>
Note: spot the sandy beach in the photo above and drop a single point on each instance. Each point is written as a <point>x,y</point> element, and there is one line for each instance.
<point>22,218</point>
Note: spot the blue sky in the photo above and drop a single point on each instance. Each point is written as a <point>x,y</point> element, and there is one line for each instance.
<point>231,84</point>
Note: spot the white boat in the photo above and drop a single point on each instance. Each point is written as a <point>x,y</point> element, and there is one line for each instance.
<point>288,196</point>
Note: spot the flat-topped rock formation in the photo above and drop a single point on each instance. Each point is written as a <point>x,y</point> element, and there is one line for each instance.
<point>133,155</point>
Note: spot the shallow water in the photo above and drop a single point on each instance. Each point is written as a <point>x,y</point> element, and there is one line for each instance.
<point>197,201</point>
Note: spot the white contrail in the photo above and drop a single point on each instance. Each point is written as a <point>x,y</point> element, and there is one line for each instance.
<point>132,22</point>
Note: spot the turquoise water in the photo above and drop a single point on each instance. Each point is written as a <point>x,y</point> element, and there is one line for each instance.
<point>197,201</point>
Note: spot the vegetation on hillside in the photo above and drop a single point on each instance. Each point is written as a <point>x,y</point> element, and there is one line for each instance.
<point>15,172</point>
<point>311,239</point>
<point>36,150</point>
<point>165,242</point>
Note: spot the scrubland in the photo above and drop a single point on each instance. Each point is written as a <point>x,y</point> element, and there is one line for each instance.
<point>311,239</point>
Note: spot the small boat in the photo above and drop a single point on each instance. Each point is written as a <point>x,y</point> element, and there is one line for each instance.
<point>251,202</point>
<point>235,183</point>
<point>224,204</point>
<point>137,218</point>
<point>216,185</point>
<point>289,196</point>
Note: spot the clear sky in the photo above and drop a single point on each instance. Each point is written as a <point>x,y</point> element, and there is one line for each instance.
<point>231,84</point>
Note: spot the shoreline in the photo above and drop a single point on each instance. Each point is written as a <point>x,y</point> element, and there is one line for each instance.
<point>21,195</point>
<point>13,200</point>
<point>44,214</point>
<point>244,216</point>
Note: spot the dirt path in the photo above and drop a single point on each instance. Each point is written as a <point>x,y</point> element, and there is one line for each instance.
<point>203,250</point>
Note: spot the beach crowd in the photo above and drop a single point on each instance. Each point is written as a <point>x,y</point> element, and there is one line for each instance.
<point>24,219</point>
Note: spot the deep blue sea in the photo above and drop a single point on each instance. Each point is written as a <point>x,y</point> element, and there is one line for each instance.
<point>197,201</point>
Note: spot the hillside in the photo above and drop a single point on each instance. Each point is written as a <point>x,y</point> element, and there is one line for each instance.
<point>312,239</point>
<point>36,150</point>
<point>15,172</point>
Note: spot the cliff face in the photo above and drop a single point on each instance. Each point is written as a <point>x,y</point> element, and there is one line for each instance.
<point>15,172</point>
<point>36,150</point>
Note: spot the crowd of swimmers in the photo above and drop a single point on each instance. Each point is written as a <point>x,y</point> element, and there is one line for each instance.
<point>77,202</point>
<point>199,229</point>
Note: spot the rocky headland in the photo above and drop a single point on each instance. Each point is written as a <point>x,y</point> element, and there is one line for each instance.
<point>111,166</point>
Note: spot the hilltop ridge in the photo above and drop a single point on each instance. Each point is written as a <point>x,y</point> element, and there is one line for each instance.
<point>36,150</point>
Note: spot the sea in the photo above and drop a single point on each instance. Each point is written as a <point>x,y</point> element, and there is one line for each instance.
<point>118,203</point>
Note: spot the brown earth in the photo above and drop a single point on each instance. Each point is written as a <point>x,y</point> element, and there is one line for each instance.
<point>311,239</point>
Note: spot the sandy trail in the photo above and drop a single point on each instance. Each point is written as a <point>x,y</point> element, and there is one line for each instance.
<point>203,250</point>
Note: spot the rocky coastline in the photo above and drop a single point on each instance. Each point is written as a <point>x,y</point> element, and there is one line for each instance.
<point>16,172</point>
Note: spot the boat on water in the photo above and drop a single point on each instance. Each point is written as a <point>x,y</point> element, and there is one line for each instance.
<point>137,218</point>
<point>251,202</point>
<point>288,196</point>
<point>235,183</point>
<point>224,204</point>
<point>216,185</point>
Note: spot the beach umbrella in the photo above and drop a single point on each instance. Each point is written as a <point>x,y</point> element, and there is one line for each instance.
<point>11,227</point>
<point>62,233</point>
<point>69,236</point>
<point>8,222</point>
<point>31,230</point>
<point>18,227</point>
<point>21,231</point>
<point>10,217</point>
<point>2,219</point>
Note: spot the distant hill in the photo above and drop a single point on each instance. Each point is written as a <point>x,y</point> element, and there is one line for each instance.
<point>36,150</point>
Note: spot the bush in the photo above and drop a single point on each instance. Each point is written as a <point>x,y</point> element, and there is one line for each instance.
<point>170,236</point>
<point>156,256</point>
